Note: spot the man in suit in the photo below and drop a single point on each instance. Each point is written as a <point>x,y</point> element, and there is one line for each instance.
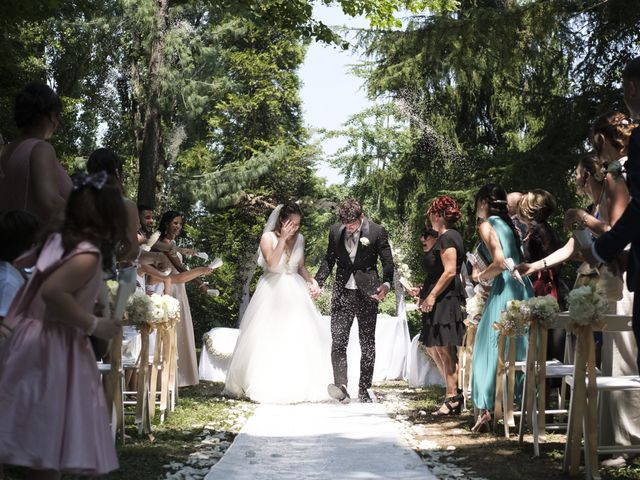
<point>355,244</point>
<point>627,229</point>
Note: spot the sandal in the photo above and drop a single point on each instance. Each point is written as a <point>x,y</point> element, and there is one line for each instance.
<point>450,408</point>
<point>483,418</point>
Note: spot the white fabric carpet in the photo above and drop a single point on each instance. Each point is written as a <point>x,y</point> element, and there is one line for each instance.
<point>320,441</point>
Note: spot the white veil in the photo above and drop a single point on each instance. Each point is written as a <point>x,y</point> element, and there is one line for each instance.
<point>258,260</point>
<point>268,227</point>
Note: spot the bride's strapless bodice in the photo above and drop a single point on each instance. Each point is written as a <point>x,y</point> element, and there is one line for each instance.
<point>289,261</point>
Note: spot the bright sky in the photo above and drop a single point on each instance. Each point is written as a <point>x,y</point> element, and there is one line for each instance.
<point>330,93</point>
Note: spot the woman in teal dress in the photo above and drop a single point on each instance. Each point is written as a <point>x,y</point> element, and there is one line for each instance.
<point>499,241</point>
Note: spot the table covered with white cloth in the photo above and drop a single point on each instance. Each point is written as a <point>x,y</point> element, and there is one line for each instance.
<point>392,348</point>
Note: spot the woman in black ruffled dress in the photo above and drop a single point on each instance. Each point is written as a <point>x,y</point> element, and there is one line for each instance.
<point>442,297</point>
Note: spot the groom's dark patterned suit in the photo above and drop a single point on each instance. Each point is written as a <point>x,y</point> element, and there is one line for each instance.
<point>357,278</point>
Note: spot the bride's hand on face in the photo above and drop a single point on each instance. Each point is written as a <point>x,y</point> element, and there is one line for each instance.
<point>288,230</point>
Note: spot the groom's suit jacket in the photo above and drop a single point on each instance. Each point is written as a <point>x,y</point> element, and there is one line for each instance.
<point>365,263</point>
<point>627,228</point>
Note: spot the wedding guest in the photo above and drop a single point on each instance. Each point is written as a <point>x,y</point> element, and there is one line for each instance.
<point>594,182</point>
<point>620,412</point>
<point>513,198</point>
<point>534,209</point>
<point>106,160</point>
<point>18,231</point>
<point>147,222</point>
<point>611,243</point>
<point>626,230</point>
<point>31,178</point>
<point>499,241</point>
<point>170,228</point>
<point>54,417</point>
<point>441,298</point>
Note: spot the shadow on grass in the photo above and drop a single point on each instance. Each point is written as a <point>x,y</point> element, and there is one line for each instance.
<point>488,455</point>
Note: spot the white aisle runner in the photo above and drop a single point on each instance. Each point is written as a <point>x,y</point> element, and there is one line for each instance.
<point>322,441</point>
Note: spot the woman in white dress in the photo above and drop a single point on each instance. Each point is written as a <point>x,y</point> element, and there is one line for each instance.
<point>283,351</point>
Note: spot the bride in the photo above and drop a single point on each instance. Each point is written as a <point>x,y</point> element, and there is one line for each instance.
<point>283,351</point>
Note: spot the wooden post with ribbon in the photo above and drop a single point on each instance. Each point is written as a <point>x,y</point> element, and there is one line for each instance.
<point>153,380</point>
<point>465,358</point>
<point>173,364</point>
<point>583,410</point>
<point>113,383</point>
<point>142,405</point>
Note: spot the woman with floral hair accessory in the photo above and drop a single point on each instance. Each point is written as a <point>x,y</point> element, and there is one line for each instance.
<point>441,298</point>
<point>54,416</point>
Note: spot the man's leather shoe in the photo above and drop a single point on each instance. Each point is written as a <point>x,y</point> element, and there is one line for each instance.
<point>363,396</point>
<point>338,392</point>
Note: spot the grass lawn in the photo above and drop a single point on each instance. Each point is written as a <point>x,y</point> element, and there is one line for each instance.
<point>446,444</point>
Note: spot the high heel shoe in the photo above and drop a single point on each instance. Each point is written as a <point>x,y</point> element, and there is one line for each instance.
<point>483,419</point>
<point>459,395</point>
<point>451,409</point>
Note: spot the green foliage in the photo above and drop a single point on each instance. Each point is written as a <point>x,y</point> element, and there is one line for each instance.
<point>494,92</point>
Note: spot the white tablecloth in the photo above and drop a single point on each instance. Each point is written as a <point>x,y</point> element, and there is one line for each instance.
<point>421,370</point>
<point>214,367</point>
<point>392,348</point>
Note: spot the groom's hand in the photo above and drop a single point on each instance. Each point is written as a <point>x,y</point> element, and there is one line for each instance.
<point>381,292</point>
<point>314,289</point>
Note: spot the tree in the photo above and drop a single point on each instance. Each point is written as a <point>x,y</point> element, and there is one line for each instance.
<point>499,91</point>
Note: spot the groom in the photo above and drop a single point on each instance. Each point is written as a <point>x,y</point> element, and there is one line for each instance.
<point>355,244</point>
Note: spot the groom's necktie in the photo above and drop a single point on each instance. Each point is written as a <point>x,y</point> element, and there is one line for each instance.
<point>352,241</point>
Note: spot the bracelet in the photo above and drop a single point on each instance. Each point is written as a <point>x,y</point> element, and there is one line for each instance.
<point>93,326</point>
<point>544,263</point>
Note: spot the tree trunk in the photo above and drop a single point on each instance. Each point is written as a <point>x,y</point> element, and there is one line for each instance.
<point>150,151</point>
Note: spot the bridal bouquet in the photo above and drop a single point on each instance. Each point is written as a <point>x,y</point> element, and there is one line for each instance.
<point>164,308</point>
<point>513,322</point>
<point>586,305</point>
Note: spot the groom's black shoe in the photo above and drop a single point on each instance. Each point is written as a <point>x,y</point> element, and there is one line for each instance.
<point>338,392</point>
<point>363,396</point>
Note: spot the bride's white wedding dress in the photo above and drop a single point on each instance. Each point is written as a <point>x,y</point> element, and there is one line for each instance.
<point>283,353</point>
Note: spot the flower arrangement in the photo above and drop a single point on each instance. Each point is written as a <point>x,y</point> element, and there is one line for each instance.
<point>512,320</point>
<point>164,308</point>
<point>402,271</point>
<point>217,350</point>
<point>139,309</point>
<point>543,310</point>
<point>586,305</point>
<point>474,307</point>
<point>365,241</point>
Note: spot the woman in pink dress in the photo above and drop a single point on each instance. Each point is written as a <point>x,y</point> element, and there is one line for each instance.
<point>54,416</point>
<point>31,178</point>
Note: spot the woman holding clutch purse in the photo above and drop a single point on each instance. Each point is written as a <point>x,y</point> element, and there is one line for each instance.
<point>441,298</point>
